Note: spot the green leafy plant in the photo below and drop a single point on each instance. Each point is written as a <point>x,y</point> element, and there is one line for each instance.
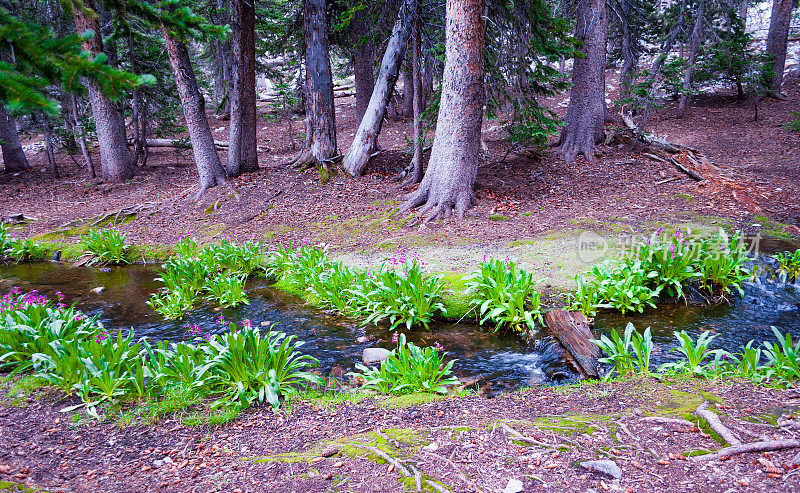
<point>409,369</point>
<point>783,358</point>
<point>625,286</point>
<point>172,304</point>
<point>505,295</point>
<point>26,250</point>
<point>586,297</point>
<point>789,264</point>
<point>793,124</point>
<point>626,353</point>
<point>105,247</point>
<point>246,367</point>
<point>694,352</point>
<point>406,297</point>
<point>669,264</point>
<point>228,256</point>
<point>721,263</point>
<point>227,289</point>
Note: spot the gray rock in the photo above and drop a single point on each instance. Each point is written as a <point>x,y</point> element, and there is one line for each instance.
<point>98,289</point>
<point>607,467</point>
<point>372,355</point>
<point>167,460</point>
<point>514,486</point>
<point>329,451</point>
<point>158,463</point>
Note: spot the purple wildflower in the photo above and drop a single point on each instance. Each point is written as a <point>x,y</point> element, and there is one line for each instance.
<point>395,338</point>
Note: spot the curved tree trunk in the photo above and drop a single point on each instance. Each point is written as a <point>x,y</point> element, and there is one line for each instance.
<point>357,157</point>
<point>320,114</point>
<point>363,60</point>
<point>243,150</point>
<point>777,41</point>
<point>416,61</point>
<point>448,183</point>
<point>14,158</point>
<point>209,167</point>
<point>695,44</point>
<point>586,111</point>
<point>115,160</point>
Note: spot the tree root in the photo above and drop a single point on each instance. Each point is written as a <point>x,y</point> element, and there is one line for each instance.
<point>402,469</point>
<point>716,425</point>
<point>522,438</point>
<point>749,447</point>
<point>659,419</point>
<point>437,207</point>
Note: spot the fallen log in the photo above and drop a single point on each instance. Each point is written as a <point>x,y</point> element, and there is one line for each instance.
<point>716,425</point>
<point>177,143</point>
<point>574,331</point>
<point>767,446</point>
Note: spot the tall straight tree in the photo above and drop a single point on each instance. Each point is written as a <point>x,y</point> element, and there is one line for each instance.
<point>363,59</point>
<point>14,158</point>
<point>777,42</point>
<point>585,116</point>
<point>447,186</point>
<point>320,145</point>
<point>115,159</point>
<point>694,45</point>
<point>242,147</point>
<point>209,166</point>
<point>355,162</point>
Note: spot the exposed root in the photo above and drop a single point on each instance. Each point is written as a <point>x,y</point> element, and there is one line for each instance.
<point>716,425</point>
<point>570,147</point>
<point>749,447</point>
<point>402,469</point>
<point>435,207</point>
<point>522,438</point>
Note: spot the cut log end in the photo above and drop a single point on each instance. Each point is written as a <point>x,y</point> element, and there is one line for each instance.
<point>573,330</point>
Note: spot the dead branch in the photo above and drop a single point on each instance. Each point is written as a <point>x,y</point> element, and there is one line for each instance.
<point>659,419</point>
<point>522,438</point>
<point>686,170</point>
<point>458,470</point>
<point>767,446</point>
<point>716,425</point>
<point>667,180</point>
<point>402,469</point>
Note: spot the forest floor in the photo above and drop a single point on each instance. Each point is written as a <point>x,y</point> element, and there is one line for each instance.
<point>644,426</point>
<point>533,209</point>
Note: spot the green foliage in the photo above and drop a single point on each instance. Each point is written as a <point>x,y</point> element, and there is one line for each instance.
<point>720,263</point>
<point>227,289</point>
<point>409,369</point>
<point>793,124</point>
<point>694,352</point>
<point>26,250</point>
<point>586,297</point>
<point>783,358</point>
<point>625,286</point>
<point>625,353</point>
<point>669,264</point>
<point>106,247</point>
<point>244,367</point>
<point>401,293</point>
<point>789,264</point>
<point>505,295</point>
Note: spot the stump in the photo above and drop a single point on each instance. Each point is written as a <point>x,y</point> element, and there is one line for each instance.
<point>574,331</point>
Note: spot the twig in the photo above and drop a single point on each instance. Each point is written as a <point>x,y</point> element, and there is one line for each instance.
<point>458,471</point>
<point>522,438</point>
<point>686,170</point>
<point>716,425</point>
<point>383,455</point>
<point>667,180</point>
<point>749,447</point>
<point>659,419</point>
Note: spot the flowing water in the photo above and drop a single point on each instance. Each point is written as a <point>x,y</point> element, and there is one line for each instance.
<point>502,361</point>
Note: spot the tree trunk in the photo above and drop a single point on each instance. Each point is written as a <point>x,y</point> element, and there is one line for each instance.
<point>695,44</point>
<point>586,111</point>
<point>48,148</point>
<point>320,114</point>
<point>209,167</point>
<point>448,183</point>
<point>115,159</point>
<point>364,142</point>
<point>630,52</point>
<point>777,41</point>
<point>408,89</point>
<point>14,158</point>
<point>80,134</point>
<point>223,57</point>
<point>242,150</point>
<point>363,61</point>
<point>416,61</point>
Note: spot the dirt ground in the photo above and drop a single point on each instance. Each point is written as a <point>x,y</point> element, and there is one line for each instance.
<point>461,443</point>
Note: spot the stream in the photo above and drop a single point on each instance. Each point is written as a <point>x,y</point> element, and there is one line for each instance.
<point>503,361</point>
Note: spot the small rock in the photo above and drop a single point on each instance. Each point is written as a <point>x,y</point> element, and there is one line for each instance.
<point>167,460</point>
<point>431,446</point>
<point>158,463</point>
<point>329,451</point>
<point>4,468</point>
<point>514,486</point>
<point>56,256</point>
<point>266,323</point>
<point>607,467</point>
<point>363,339</point>
<point>105,269</point>
<point>98,289</point>
<point>373,355</point>
<point>338,464</point>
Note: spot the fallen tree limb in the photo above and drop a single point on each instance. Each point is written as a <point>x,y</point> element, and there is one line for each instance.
<point>748,447</point>
<point>686,170</point>
<point>401,468</point>
<point>177,143</point>
<point>716,425</point>
<point>522,438</point>
<point>659,419</point>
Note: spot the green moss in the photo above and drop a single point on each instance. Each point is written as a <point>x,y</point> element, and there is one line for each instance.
<point>9,486</point>
<point>22,388</point>
<point>773,228</point>
<point>409,400</point>
<point>149,253</point>
<point>287,287</point>
<point>686,197</point>
<point>454,297</point>
<point>498,217</point>
<point>210,417</point>
<point>329,399</point>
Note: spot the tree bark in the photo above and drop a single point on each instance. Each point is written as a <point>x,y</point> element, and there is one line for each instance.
<point>777,41</point>
<point>695,44</point>
<point>416,61</point>
<point>14,158</point>
<point>363,144</point>
<point>586,111</point>
<point>115,160</point>
<point>209,166</point>
<point>363,61</point>
<point>222,58</point>
<point>448,183</point>
<point>630,52</point>
<point>48,147</point>
<point>243,151</point>
<point>80,134</point>
<point>320,113</point>
<point>408,89</point>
